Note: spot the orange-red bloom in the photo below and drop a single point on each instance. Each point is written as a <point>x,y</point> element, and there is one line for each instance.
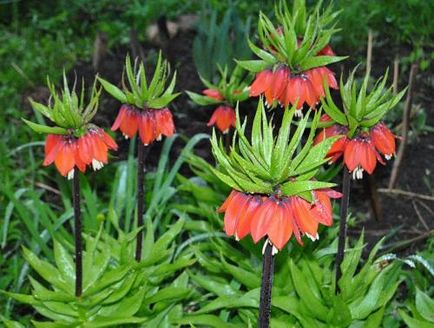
<point>150,123</point>
<point>224,117</point>
<point>278,218</point>
<point>360,155</point>
<point>212,93</point>
<point>338,147</point>
<point>68,152</point>
<point>384,140</point>
<point>287,88</point>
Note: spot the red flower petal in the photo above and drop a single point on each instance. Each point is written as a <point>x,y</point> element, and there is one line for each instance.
<point>383,139</point>
<point>224,117</point>
<point>233,211</point>
<point>245,218</point>
<point>226,203</point>
<point>352,154</point>
<point>119,118</point>
<point>279,83</point>
<point>261,83</point>
<point>262,219</point>
<point>65,158</point>
<point>212,93</point>
<point>130,123</point>
<point>304,217</point>
<point>86,151</point>
<point>148,126</point>
<point>53,142</point>
<point>280,228</point>
<point>368,158</point>
<point>164,122</point>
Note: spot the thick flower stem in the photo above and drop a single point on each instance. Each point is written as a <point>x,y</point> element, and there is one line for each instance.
<point>78,242</point>
<point>140,197</point>
<point>266,287</point>
<point>346,181</point>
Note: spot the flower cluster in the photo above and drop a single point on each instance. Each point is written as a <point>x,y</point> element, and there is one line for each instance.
<point>274,191</point>
<point>150,123</point>
<point>293,89</point>
<point>68,151</point>
<point>231,89</point>
<point>277,217</point>
<point>363,138</point>
<point>292,67</point>
<point>144,106</point>
<point>74,142</point>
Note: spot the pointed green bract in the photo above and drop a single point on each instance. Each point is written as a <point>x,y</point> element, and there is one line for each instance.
<point>361,108</point>
<point>141,93</point>
<point>296,40</point>
<point>268,164</point>
<point>67,110</point>
<point>232,86</point>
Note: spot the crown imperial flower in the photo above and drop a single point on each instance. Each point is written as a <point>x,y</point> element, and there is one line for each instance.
<point>230,90</point>
<point>224,118</point>
<point>291,69</point>
<point>74,142</point>
<point>144,107</point>
<point>274,192</point>
<point>362,134</point>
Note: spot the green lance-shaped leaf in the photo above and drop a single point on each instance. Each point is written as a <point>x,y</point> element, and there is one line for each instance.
<point>39,128</point>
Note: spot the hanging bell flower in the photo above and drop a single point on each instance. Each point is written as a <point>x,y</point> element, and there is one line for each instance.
<point>231,89</point>
<point>294,56</point>
<point>73,142</point>
<point>275,194</point>
<point>144,106</point>
<point>363,136</point>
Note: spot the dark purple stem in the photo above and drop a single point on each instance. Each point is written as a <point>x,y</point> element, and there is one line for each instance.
<point>266,287</point>
<point>140,196</point>
<point>78,242</point>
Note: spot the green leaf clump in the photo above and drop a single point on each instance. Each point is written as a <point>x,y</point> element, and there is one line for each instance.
<point>139,93</point>
<point>361,108</point>
<point>232,86</point>
<point>67,110</point>
<point>296,41</point>
<point>267,164</point>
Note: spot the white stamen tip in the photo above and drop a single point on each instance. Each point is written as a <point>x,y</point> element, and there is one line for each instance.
<point>70,174</point>
<point>313,238</point>
<point>358,173</point>
<point>159,137</point>
<point>388,156</point>
<point>236,237</point>
<point>97,165</point>
<point>274,251</point>
<point>126,137</point>
<point>298,113</point>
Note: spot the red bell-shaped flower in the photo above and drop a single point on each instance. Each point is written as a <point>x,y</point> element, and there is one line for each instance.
<point>384,140</point>
<point>278,218</point>
<point>150,123</point>
<point>68,152</point>
<point>360,155</point>
<point>224,118</point>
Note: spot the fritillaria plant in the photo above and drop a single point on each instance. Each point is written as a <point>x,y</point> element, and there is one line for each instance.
<point>231,89</point>
<point>275,194</point>
<point>293,56</point>
<point>144,112</point>
<point>72,145</point>
<point>363,137</point>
